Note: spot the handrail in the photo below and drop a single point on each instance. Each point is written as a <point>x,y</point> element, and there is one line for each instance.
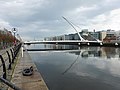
<point>4,67</point>
<point>6,64</point>
<point>9,60</point>
<point>10,84</point>
<point>11,50</point>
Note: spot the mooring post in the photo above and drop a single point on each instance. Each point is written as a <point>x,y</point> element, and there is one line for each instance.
<point>22,50</point>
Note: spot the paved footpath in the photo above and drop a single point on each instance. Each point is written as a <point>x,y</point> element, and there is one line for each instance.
<point>33,82</point>
<point>4,50</point>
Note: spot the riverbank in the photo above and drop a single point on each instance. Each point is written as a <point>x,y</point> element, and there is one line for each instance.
<point>33,82</point>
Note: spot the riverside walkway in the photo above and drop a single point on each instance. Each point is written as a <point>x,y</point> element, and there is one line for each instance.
<point>33,82</point>
<point>11,66</point>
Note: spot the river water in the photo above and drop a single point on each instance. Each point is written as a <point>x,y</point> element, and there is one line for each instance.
<point>81,68</point>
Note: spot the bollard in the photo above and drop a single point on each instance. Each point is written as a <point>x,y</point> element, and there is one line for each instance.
<point>22,50</point>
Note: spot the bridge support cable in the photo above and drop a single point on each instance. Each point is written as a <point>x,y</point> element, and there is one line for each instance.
<point>99,41</point>
<point>74,29</point>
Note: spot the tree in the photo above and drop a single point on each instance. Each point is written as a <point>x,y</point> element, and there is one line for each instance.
<point>6,38</point>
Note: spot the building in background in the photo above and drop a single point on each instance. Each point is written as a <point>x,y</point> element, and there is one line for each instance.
<point>118,35</point>
<point>95,34</point>
<point>110,36</point>
<point>104,35</point>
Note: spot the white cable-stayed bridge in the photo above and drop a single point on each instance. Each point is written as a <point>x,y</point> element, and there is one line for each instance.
<point>82,40</point>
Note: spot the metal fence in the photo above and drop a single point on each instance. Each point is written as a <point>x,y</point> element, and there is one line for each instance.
<point>7,59</point>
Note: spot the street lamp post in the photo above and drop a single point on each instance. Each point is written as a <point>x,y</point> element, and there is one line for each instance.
<point>14,30</point>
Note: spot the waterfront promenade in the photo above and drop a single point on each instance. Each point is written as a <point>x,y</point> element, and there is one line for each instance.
<point>15,77</point>
<point>33,82</point>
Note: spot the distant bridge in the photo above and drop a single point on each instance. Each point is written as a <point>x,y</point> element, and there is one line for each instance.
<point>74,42</point>
<point>86,40</point>
<point>69,42</point>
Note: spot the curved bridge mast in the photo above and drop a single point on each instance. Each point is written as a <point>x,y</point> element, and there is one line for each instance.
<point>82,39</point>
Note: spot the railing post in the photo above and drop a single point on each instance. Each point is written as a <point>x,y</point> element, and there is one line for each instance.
<point>9,60</point>
<point>15,51</point>
<point>12,55</point>
<point>4,67</point>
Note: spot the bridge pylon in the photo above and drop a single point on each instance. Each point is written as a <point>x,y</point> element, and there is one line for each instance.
<point>81,39</point>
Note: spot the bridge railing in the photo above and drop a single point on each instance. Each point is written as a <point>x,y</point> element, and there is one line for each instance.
<point>7,60</point>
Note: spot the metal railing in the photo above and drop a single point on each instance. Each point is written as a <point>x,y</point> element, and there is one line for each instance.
<point>7,59</point>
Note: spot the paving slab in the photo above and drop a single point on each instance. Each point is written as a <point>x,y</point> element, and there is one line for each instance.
<point>33,82</point>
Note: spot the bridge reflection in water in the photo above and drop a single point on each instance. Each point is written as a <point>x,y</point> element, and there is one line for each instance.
<point>76,42</point>
<point>70,67</point>
<point>82,51</point>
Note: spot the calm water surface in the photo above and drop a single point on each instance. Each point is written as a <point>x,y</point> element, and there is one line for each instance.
<point>82,68</point>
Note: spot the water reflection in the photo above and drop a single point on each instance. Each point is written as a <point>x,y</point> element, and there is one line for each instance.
<point>81,68</point>
<point>108,52</point>
<point>105,52</point>
<point>71,65</point>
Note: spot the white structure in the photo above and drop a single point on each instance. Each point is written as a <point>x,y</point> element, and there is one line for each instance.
<point>102,35</point>
<point>75,30</point>
<point>118,35</point>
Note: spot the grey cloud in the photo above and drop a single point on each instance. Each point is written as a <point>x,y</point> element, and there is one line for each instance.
<point>102,8</point>
<point>40,15</point>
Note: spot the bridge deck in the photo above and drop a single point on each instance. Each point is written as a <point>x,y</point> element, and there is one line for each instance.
<point>77,42</point>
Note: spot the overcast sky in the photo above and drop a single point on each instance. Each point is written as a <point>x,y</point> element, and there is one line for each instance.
<point>36,19</point>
